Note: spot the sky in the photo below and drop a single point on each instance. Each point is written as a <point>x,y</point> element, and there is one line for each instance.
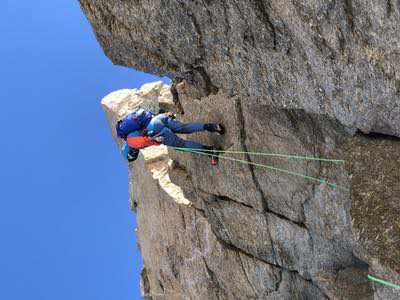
<point>65,225</point>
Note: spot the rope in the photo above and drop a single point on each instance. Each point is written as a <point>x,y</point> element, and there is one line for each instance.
<point>337,161</point>
<point>381,281</point>
<point>370,277</point>
<point>263,166</point>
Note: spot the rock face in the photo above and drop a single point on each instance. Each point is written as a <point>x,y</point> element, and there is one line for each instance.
<point>339,58</point>
<point>307,78</point>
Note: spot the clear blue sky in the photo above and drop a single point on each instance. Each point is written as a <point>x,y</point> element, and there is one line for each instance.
<point>65,226</point>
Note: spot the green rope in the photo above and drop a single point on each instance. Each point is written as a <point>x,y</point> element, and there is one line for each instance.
<point>381,281</point>
<point>281,155</point>
<point>263,166</point>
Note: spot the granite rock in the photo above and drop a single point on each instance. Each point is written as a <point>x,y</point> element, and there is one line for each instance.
<point>299,78</point>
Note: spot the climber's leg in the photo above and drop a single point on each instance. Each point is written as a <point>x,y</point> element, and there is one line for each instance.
<point>169,138</point>
<point>179,127</point>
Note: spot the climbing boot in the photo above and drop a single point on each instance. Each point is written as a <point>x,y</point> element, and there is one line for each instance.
<point>214,160</point>
<point>210,151</point>
<point>218,128</point>
<point>213,153</point>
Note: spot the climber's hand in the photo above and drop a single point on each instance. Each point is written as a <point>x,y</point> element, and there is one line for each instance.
<point>150,133</point>
<point>170,114</point>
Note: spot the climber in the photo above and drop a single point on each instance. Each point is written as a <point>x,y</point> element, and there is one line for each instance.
<point>141,129</point>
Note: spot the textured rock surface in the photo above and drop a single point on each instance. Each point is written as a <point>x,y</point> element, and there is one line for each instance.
<point>277,235</point>
<point>182,255</point>
<point>304,75</point>
<point>324,56</point>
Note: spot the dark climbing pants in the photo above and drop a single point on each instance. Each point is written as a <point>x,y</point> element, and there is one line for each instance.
<point>167,128</point>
